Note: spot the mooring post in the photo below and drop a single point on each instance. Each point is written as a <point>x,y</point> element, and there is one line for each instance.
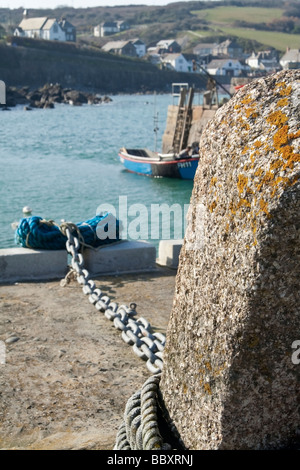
<point>229,381</point>
<point>2,92</point>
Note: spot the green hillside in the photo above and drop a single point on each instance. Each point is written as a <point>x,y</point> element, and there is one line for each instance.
<point>260,24</point>
<point>256,24</point>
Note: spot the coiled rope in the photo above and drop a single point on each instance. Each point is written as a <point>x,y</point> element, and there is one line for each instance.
<point>146,424</point>
<point>140,431</point>
<point>36,232</point>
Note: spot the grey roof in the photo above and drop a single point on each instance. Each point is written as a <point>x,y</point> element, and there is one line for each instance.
<point>229,43</point>
<point>166,42</point>
<point>168,57</point>
<point>114,45</point>
<point>292,55</point>
<point>65,23</point>
<point>136,40</point>
<point>219,62</point>
<point>205,45</point>
<point>109,24</point>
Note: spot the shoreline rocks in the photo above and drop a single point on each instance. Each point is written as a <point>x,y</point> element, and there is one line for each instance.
<point>47,96</point>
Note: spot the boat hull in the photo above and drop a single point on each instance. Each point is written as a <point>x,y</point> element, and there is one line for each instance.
<point>143,162</point>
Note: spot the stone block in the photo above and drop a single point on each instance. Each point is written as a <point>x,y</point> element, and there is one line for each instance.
<point>23,264</point>
<point>229,379</point>
<point>123,257</point>
<point>168,253</point>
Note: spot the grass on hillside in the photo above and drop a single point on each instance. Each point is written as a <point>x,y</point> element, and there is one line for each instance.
<point>221,21</point>
<point>230,14</point>
<point>279,41</point>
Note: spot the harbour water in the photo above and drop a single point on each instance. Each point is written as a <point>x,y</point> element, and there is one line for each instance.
<point>63,163</point>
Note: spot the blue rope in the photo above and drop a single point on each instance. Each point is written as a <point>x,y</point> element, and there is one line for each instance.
<point>36,232</point>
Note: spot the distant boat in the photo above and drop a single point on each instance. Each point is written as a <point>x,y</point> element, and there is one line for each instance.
<point>149,163</point>
<point>178,163</point>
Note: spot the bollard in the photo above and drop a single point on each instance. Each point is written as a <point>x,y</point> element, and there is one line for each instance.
<point>229,381</point>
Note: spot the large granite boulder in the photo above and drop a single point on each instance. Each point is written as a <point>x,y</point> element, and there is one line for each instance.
<point>229,380</point>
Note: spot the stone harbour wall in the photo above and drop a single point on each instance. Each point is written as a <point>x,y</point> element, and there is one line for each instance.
<point>229,381</point>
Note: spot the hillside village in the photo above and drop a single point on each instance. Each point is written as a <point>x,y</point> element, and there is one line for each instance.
<point>224,59</point>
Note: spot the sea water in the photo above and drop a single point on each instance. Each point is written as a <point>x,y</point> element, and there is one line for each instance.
<point>64,164</point>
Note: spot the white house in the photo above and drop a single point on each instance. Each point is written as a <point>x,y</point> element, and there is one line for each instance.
<point>51,30</point>
<point>69,30</point>
<point>120,48</point>
<point>229,67</point>
<point>291,59</point>
<point>263,60</point>
<point>177,62</point>
<point>110,27</point>
<point>41,28</point>
<point>228,48</point>
<point>140,47</point>
<point>168,46</point>
<point>204,49</point>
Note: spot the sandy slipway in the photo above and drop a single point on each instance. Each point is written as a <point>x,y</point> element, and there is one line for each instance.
<point>68,373</point>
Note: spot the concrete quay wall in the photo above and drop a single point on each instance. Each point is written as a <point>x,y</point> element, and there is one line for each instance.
<point>24,264</point>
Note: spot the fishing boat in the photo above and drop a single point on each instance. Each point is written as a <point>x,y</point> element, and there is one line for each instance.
<point>182,158</point>
<point>150,163</point>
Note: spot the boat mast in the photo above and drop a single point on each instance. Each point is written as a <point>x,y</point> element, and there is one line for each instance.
<point>155,123</point>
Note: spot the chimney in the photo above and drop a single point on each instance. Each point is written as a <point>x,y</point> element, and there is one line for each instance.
<point>25,14</point>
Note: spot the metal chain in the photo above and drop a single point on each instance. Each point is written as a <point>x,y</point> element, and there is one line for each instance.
<point>135,332</point>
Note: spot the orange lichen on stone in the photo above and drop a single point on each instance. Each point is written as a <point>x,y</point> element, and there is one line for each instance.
<point>281,137</point>
<point>276,165</point>
<point>247,100</point>
<point>277,118</point>
<point>243,203</point>
<point>283,102</point>
<point>245,126</point>
<point>207,388</point>
<point>281,140</point>
<point>213,181</point>
<point>290,157</point>
<point>264,207</point>
<point>294,135</point>
<point>253,226</point>
<point>259,172</point>
<point>242,183</point>
<point>213,206</point>
<point>286,90</point>
<point>251,113</point>
<point>257,144</point>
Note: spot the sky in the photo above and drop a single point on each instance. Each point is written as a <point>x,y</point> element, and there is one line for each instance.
<point>78,3</point>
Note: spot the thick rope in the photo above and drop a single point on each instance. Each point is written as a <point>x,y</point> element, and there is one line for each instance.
<point>140,430</point>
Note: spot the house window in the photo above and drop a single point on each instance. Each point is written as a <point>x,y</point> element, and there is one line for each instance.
<point>55,28</point>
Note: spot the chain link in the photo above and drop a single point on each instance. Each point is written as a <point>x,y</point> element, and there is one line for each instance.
<point>135,332</point>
